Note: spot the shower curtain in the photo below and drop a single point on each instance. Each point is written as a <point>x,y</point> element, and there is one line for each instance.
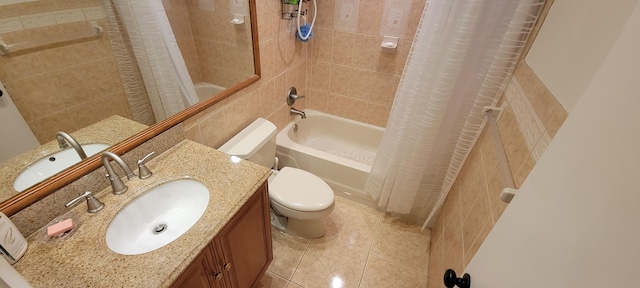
<point>463,54</point>
<point>130,75</point>
<point>163,69</point>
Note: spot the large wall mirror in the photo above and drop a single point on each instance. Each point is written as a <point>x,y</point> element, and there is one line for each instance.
<point>69,66</point>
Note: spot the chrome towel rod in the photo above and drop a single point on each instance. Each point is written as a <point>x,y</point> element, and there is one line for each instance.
<point>93,30</point>
<point>509,191</point>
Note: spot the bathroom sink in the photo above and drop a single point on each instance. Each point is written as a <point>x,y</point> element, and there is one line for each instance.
<point>157,217</point>
<point>52,164</point>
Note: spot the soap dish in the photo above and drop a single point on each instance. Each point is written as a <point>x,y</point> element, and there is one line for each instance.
<point>43,231</point>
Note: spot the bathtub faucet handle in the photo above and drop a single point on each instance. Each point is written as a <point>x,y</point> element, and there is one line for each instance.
<point>293,96</point>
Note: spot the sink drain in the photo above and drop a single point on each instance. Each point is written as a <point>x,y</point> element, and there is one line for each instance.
<point>159,229</point>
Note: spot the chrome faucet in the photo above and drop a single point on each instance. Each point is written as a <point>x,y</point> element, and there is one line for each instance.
<point>294,111</point>
<point>293,96</point>
<point>65,139</point>
<point>116,183</point>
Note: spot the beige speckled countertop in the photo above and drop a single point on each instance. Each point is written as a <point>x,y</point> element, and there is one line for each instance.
<point>83,259</point>
<point>110,131</point>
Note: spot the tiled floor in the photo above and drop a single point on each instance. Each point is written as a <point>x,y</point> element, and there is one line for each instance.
<point>363,247</point>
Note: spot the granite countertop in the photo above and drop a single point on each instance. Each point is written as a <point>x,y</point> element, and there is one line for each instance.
<point>82,259</point>
<point>110,131</point>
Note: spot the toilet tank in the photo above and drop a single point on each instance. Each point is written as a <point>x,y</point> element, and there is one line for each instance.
<point>256,143</point>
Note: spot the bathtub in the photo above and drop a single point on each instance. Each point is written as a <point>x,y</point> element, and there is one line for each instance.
<point>338,150</point>
<point>205,90</point>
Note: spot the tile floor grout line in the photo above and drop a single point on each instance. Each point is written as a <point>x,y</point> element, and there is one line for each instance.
<point>300,261</point>
<point>296,284</point>
<point>382,216</point>
<point>363,270</point>
<point>398,263</point>
<point>278,274</point>
<point>365,250</point>
<point>375,230</point>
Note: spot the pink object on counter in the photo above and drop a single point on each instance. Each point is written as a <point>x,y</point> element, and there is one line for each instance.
<point>60,227</point>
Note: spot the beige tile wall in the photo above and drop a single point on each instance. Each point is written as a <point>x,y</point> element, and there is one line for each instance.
<point>338,78</point>
<point>350,76</point>
<point>214,50</point>
<point>60,87</point>
<point>532,118</point>
<point>283,63</point>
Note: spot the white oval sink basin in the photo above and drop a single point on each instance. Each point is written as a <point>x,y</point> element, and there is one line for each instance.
<point>157,217</point>
<point>52,164</point>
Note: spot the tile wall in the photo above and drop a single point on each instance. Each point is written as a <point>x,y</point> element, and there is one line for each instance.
<point>342,73</point>
<point>60,87</point>
<point>350,76</point>
<point>283,61</point>
<point>215,50</point>
<point>532,118</point>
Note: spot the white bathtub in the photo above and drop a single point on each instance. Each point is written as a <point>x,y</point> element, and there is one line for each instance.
<point>338,150</point>
<point>205,90</point>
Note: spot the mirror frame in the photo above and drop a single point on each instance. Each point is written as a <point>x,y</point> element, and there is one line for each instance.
<point>49,186</point>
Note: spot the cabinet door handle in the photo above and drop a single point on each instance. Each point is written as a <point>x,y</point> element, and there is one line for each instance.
<point>217,276</point>
<point>227,266</point>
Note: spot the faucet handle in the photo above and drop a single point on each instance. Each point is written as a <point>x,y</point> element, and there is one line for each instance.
<point>93,204</point>
<point>292,96</point>
<point>143,171</point>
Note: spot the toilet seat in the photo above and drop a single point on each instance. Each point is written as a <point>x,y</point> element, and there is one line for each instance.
<point>300,190</point>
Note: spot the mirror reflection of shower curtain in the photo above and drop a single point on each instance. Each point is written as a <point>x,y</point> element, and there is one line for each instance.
<point>163,69</point>
<point>130,74</point>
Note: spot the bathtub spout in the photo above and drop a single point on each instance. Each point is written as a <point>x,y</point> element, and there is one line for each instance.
<point>295,111</point>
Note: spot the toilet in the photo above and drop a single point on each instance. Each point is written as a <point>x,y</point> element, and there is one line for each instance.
<point>299,200</point>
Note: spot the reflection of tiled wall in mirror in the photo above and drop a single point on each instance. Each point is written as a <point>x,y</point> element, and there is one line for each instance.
<point>60,87</point>
<point>215,50</point>
<point>9,2</point>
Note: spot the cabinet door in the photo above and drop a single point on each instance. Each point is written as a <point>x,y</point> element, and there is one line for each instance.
<point>245,242</point>
<point>198,274</point>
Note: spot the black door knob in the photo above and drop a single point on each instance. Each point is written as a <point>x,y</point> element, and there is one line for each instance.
<point>451,279</point>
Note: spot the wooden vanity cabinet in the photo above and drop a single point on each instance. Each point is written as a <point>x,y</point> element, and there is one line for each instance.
<point>239,255</point>
<point>199,274</point>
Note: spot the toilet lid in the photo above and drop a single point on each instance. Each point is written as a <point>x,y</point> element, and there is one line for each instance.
<point>300,190</point>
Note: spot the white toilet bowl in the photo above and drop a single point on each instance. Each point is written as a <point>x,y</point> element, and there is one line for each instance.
<point>304,199</point>
<point>299,199</point>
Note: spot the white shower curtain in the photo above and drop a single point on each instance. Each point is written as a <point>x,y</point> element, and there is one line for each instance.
<point>163,69</point>
<point>462,57</point>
